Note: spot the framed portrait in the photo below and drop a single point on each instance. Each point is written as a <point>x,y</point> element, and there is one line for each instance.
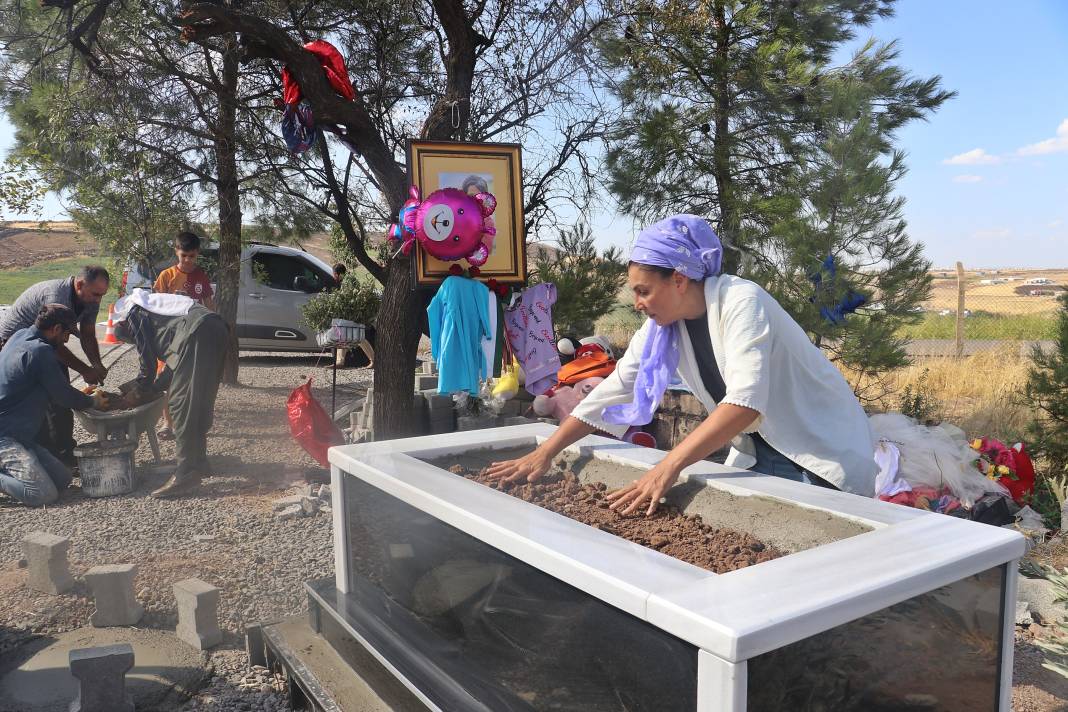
<point>474,168</point>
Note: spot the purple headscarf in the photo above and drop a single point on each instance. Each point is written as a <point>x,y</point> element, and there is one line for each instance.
<point>688,245</point>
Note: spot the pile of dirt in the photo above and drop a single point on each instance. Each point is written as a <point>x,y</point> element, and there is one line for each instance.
<point>668,531</point>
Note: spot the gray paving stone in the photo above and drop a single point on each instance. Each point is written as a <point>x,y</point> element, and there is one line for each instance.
<point>101,675</point>
<point>46,559</point>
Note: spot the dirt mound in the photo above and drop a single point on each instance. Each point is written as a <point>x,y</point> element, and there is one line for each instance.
<point>668,531</point>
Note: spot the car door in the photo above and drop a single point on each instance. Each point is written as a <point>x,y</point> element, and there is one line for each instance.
<point>275,285</point>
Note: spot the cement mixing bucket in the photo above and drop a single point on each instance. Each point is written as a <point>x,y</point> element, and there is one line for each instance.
<point>106,471</point>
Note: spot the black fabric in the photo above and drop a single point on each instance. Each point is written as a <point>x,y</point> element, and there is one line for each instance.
<point>706,357</point>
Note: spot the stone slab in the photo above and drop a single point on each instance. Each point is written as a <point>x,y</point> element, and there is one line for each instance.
<point>36,677</point>
<point>1039,595</point>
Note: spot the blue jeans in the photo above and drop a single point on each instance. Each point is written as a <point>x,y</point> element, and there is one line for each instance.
<point>770,461</point>
<point>31,474</point>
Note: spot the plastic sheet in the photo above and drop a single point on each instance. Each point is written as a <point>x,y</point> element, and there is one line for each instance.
<point>477,629</point>
<point>935,457</point>
<point>310,425</point>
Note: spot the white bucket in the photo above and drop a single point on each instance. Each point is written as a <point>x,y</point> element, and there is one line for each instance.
<point>106,471</point>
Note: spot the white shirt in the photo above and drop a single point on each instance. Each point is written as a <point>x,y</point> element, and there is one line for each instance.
<point>806,409</point>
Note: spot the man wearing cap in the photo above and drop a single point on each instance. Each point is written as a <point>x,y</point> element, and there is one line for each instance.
<point>81,293</point>
<point>30,380</point>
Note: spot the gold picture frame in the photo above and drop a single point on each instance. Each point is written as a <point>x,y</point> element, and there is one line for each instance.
<point>495,168</point>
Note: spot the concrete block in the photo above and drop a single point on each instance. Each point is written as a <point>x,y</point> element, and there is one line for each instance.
<point>293,511</point>
<point>511,408</point>
<point>310,505</point>
<point>475,422</point>
<point>46,559</point>
<point>440,427</point>
<point>198,613</point>
<point>517,420</point>
<point>255,647</point>
<point>101,675</point>
<point>423,383</point>
<point>113,592</point>
<point>283,502</point>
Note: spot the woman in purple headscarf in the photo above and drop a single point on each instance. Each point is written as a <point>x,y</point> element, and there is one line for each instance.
<point>770,393</point>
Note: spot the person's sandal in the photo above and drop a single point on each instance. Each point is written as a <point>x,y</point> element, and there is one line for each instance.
<point>165,434</point>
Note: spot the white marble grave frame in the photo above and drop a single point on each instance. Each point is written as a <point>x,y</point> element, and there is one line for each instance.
<point>730,617</point>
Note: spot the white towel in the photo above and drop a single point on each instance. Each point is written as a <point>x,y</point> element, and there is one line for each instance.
<point>162,304</point>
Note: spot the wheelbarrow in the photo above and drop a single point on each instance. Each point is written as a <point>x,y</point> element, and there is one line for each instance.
<point>124,427</point>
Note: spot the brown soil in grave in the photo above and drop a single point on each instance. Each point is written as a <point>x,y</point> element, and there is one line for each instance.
<point>668,531</point>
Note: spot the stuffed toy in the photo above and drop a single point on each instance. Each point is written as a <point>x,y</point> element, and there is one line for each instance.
<point>591,356</point>
<point>562,399</point>
<point>449,224</point>
<point>1010,466</point>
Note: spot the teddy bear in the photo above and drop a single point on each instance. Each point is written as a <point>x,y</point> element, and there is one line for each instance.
<point>562,399</point>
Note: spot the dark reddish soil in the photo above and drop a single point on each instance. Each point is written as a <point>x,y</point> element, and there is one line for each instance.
<point>668,531</point>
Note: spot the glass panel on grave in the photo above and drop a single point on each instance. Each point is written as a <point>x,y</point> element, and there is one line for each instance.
<point>939,651</point>
<point>461,619</point>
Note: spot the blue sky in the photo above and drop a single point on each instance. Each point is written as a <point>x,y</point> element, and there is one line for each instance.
<point>988,174</point>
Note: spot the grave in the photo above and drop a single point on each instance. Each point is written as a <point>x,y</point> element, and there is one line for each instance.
<point>472,598</point>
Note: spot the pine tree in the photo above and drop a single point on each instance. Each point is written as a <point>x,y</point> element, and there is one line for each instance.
<point>735,113</point>
<point>587,284</point>
<point>1047,393</point>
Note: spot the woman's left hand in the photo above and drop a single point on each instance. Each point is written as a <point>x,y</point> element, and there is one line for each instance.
<point>651,487</point>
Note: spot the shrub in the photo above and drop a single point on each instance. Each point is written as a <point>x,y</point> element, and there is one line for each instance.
<point>356,300</point>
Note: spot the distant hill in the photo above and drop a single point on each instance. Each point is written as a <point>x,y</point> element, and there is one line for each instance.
<point>24,244</point>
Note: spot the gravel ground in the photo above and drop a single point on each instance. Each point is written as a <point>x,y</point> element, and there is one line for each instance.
<point>226,534</point>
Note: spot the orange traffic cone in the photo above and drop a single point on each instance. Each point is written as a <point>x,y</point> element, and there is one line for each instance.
<point>109,333</point>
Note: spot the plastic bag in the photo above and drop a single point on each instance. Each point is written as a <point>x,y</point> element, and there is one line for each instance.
<point>935,457</point>
<point>310,425</point>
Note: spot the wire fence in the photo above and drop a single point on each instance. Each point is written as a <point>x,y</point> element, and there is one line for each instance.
<point>976,311</point>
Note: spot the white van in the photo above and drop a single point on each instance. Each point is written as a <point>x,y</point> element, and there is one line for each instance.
<point>276,282</point>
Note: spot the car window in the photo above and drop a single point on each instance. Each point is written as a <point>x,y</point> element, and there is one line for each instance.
<point>282,271</point>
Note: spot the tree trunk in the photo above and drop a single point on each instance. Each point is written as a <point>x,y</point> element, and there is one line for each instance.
<point>397,330</point>
<point>229,275</point>
<point>721,150</point>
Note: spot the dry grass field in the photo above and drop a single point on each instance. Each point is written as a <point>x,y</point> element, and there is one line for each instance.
<point>1009,297</point>
<point>980,394</point>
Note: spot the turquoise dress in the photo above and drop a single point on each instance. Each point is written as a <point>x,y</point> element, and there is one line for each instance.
<point>459,321</point>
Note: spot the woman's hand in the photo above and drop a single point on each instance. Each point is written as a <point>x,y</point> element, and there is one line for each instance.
<point>528,468</point>
<point>651,487</point>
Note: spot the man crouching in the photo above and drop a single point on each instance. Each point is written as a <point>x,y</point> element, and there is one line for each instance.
<point>31,378</point>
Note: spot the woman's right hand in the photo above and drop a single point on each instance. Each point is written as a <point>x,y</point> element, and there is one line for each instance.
<point>528,468</point>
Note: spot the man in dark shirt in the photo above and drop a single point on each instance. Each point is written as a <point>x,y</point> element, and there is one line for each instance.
<point>30,380</point>
<point>81,294</point>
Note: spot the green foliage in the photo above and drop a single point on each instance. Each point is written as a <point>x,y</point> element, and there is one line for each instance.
<point>587,284</point>
<point>735,113</point>
<point>915,402</point>
<point>984,325</point>
<point>356,299</point>
<point>1046,392</point>
<point>14,282</point>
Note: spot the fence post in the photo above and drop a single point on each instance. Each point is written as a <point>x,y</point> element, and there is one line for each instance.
<point>960,310</point>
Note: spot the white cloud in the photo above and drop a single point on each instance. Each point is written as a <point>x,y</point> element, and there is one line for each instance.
<point>967,179</point>
<point>1057,144</point>
<point>1055,223</point>
<point>974,157</point>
